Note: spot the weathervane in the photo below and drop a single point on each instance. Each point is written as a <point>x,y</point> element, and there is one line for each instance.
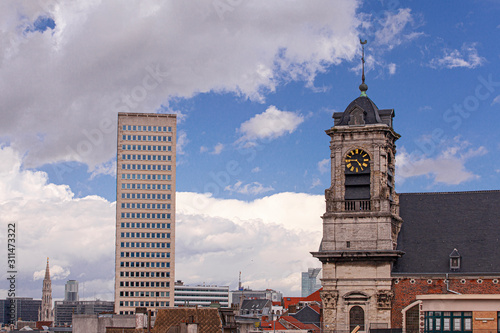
<point>363,87</point>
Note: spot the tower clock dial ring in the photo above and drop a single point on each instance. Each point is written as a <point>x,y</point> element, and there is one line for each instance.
<point>357,160</point>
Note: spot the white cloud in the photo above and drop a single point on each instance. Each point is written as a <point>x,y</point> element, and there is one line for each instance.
<point>270,124</point>
<point>448,167</point>
<point>217,238</point>
<point>182,141</point>
<point>496,100</point>
<point>218,149</point>
<point>393,28</point>
<point>56,273</point>
<point>324,165</point>
<point>254,188</point>
<point>66,85</point>
<point>316,182</point>
<point>77,234</point>
<point>392,68</point>
<point>425,108</point>
<point>256,169</point>
<point>468,57</point>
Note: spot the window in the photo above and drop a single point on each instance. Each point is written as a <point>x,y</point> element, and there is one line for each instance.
<point>356,317</point>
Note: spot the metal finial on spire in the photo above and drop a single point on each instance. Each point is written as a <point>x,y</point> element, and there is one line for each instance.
<point>363,87</point>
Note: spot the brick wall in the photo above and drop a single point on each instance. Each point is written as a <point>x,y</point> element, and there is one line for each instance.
<point>406,289</point>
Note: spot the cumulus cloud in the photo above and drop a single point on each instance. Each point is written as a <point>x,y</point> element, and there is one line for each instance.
<point>448,167</point>
<point>234,235</point>
<point>49,218</point>
<point>467,57</point>
<point>253,188</point>
<point>67,84</point>
<point>215,238</point>
<point>270,124</point>
<point>56,273</point>
<point>256,169</point>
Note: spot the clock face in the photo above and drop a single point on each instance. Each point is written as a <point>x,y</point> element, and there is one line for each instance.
<point>357,160</point>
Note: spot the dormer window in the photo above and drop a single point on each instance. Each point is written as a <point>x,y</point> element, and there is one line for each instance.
<point>454,260</point>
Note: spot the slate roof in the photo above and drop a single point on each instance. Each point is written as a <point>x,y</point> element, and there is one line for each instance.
<point>255,304</point>
<point>372,115</point>
<point>434,224</point>
<point>307,315</point>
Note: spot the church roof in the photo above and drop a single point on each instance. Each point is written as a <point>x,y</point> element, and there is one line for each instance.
<point>436,225</point>
<point>370,111</point>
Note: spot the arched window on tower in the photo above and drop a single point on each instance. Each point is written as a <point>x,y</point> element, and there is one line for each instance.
<point>356,317</point>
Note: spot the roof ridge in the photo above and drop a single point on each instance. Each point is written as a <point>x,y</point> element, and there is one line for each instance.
<point>451,192</point>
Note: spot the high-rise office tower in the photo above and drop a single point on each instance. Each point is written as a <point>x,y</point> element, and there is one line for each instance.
<point>71,291</point>
<point>310,281</point>
<point>145,212</point>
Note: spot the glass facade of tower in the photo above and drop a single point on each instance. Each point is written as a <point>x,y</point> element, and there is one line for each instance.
<point>145,212</point>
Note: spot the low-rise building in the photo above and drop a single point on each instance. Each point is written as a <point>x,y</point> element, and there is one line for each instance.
<point>235,296</point>
<point>200,295</point>
<point>64,310</point>
<point>19,308</point>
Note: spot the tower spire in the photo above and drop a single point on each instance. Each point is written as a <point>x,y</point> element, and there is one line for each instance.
<point>363,87</point>
<point>47,270</point>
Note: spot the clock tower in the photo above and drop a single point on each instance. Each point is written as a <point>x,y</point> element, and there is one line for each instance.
<point>361,222</point>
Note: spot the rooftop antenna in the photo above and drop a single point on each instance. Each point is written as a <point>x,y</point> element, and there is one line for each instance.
<point>363,87</point>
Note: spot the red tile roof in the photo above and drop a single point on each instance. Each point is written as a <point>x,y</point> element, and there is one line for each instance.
<point>287,301</point>
<point>314,296</point>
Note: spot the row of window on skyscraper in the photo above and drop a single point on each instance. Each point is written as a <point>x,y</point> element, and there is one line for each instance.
<point>152,245</point>
<point>144,264</point>
<point>146,303</point>
<point>159,138</point>
<point>148,147</point>
<point>146,167</point>
<point>146,157</point>
<point>146,254</point>
<point>144,274</point>
<point>145,235</point>
<point>145,216</point>
<point>133,186</point>
<point>147,128</point>
<point>153,196</point>
<point>145,206</point>
<point>141,176</point>
<point>145,225</point>
<point>143,284</point>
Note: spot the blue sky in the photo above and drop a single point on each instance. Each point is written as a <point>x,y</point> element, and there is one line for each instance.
<point>254,86</point>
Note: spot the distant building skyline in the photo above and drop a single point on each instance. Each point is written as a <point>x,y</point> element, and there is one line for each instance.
<point>310,281</point>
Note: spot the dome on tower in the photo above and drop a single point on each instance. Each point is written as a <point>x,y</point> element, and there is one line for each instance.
<point>363,111</point>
